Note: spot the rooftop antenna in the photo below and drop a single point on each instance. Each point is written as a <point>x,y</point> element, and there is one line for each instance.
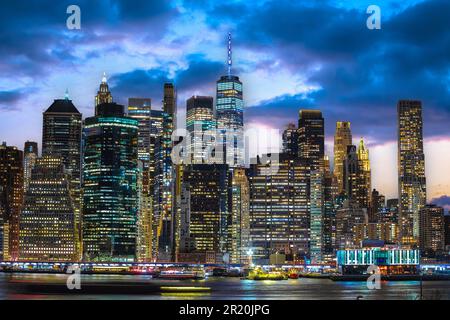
<point>66,94</point>
<point>230,61</point>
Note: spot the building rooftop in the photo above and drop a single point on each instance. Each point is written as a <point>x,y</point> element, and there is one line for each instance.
<point>62,106</point>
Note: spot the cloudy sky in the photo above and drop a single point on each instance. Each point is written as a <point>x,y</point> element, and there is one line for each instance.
<point>289,55</point>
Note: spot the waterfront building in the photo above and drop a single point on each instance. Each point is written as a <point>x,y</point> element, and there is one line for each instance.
<point>164,176</point>
<point>11,198</point>
<point>30,153</point>
<point>411,169</point>
<point>240,217</point>
<point>206,193</point>
<point>47,220</point>
<point>432,230</point>
<point>389,260</point>
<point>329,214</point>
<point>161,179</point>
<point>342,139</point>
<point>279,207</point>
<point>110,185</point>
<point>144,239</point>
<point>140,109</point>
<point>61,137</point>
<point>103,94</point>
<point>230,115</point>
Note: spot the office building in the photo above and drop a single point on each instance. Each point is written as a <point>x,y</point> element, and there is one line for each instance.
<point>61,137</point>
<point>279,208</point>
<point>47,220</point>
<point>342,139</point>
<point>432,230</point>
<point>110,185</point>
<point>411,169</point>
<point>11,198</point>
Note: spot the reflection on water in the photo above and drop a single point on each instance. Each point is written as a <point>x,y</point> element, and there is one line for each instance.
<point>222,288</point>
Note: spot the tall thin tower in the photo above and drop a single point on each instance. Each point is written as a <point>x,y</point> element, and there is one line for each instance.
<point>230,114</point>
<point>411,169</point>
<point>342,139</point>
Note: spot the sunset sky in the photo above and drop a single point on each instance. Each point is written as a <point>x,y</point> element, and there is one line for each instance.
<point>288,54</point>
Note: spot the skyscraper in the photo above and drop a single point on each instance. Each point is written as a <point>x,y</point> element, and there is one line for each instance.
<point>110,185</point>
<point>342,139</point>
<point>240,217</point>
<point>29,158</point>
<point>279,208</point>
<point>377,204</point>
<point>164,178</point>
<point>11,197</point>
<point>432,230</point>
<point>200,123</point>
<point>411,169</point>
<point>103,93</point>
<point>230,114</point>
<point>47,220</point>
<point>290,140</point>
<point>365,184</point>
<point>161,128</point>
<point>311,137</point>
<point>207,187</point>
<point>170,99</point>
<point>61,136</point>
<point>357,177</point>
<point>140,109</point>
<point>3,239</point>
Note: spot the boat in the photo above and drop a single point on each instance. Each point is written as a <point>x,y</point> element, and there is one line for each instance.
<point>181,274</point>
<point>293,274</point>
<point>259,274</point>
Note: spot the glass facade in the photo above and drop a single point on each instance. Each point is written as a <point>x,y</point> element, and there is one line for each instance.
<point>110,185</point>
<point>230,118</point>
<point>378,256</point>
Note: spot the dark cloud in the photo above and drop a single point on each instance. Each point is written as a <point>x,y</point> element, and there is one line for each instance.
<point>34,33</point>
<point>442,201</point>
<point>10,99</point>
<point>200,75</point>
<point>362,73</point>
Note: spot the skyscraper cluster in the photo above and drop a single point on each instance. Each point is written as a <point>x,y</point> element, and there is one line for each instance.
<point>123,185</point>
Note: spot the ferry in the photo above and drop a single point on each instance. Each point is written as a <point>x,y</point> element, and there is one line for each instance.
<point>181,274</point>
<point>259,274</point>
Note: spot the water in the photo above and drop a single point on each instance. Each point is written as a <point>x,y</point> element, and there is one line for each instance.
<point>233,288</point>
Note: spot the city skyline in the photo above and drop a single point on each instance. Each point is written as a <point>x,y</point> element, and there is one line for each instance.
<point>277,83</point>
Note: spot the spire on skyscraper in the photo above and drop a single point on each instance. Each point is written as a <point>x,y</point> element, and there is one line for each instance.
<point>66,94</point>
<point>104,77</point>
<point>230,61</point>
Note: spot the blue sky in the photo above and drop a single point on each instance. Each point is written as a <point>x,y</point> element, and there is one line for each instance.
<point>289,55</point>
